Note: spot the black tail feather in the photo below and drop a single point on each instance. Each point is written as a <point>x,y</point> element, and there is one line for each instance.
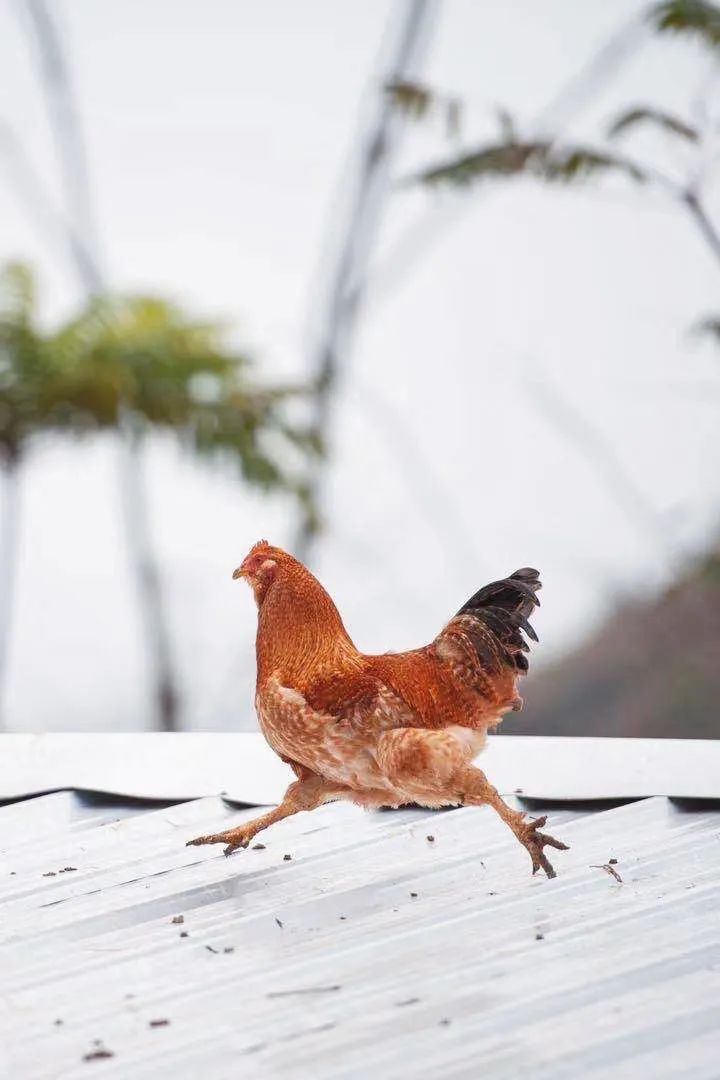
<point>503,607</point>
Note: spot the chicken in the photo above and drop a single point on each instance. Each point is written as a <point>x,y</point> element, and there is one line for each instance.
<point>384,730</point>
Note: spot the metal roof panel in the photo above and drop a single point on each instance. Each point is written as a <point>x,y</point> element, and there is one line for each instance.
<point>372,949</point>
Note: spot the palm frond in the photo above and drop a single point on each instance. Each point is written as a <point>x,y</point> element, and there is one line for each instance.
<point>499,159</point>
<point>541,159</point>
<point>694,19</point>
<point>648,116</point>
<point>578,163</point>
<point>413,99</point>
<point>416,101</point>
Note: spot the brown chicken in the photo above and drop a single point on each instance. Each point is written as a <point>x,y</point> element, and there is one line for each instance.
<point>384,730</point>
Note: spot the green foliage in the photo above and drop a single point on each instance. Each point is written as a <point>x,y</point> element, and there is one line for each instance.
<point>411,98</point>
<point>498,159</point>
<point>658,118</point>
<point>25,400</point>
<point>538,158</point>
<point>140,354</point>
<point>251,427</point>
<point>567,163</point>
<point>417,102</point>
<point>143,359</point>
<point>690,18</point>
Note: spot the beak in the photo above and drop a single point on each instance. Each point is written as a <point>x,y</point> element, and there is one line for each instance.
<point>240,572</point>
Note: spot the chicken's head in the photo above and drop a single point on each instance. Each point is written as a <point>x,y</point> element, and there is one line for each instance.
<point>260,566</point>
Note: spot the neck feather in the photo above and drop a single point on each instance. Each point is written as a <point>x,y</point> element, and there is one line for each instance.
<point>300,633</point>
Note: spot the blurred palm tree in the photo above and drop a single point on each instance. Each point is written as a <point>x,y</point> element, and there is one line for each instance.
<point>144,357</point>
<point>143,363</point>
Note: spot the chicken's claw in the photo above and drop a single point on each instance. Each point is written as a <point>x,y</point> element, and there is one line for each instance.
<point>535,841</point>
<point>234,838</point>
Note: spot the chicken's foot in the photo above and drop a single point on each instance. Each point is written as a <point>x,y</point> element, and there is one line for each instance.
<point>534,840</point>
<point>236,838</point>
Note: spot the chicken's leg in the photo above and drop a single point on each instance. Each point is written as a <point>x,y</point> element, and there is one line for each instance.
<point>306,794</point>
<point>433,768</point>
<point>477,790</point>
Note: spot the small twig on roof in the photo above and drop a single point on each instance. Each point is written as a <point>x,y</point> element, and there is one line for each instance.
<point>609,869</point>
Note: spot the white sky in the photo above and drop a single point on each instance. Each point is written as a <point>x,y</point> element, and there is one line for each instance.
<point>217,134</point>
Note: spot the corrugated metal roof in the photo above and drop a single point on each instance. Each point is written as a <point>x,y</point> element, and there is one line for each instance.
<point>373,951</point>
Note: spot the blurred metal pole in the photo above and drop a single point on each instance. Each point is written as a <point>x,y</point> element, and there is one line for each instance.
<point>66,128</point>
<point>345,293</point>
<point>82,239</point>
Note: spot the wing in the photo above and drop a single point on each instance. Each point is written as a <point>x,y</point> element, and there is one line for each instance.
<point>359,701</point>
<point>355,704</point>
